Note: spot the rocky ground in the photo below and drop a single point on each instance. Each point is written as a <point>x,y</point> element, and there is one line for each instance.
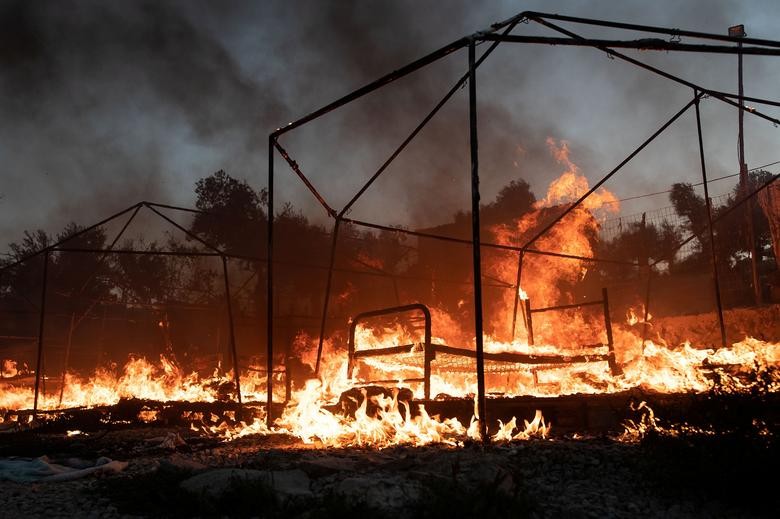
<point>179,473</point>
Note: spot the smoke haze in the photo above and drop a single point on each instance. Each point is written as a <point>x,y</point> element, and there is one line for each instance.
<point>105,104</point>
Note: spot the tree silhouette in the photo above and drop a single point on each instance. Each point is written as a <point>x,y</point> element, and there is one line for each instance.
<point>513,201</point>
<point>234,217</point>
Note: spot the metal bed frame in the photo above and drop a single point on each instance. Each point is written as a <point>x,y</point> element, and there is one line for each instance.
<point>409,354</point>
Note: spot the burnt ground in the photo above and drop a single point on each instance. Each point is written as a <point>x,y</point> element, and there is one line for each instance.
<point>176,472</point>
<point>711,455</point>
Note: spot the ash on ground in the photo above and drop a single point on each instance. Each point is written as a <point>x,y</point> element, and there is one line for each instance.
<point>180,473</point>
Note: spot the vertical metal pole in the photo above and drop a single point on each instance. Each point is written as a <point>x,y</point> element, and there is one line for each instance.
<point>220,353</point>
<point>67,356</point>
<point>475,231</point>
<point>41,323</point>
<point>43,370</point>
<point>518,277</point>
<point>428,357</point>
<point>232,334</point>
<point>529,322</point>
<point>351,349</point>
<point>741,124</point>
<point>645,324</point>
<point>644,265</point>
<point>644,251</point>
<point>395,290</point>
<point>328,285</point>
<point>287,378</point>
<point>716,279</point>
<point>743,181</point>
<point>270,287</point>
<point>613,367</point>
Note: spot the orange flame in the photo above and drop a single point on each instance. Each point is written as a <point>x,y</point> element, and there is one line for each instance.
<point>649,365</point>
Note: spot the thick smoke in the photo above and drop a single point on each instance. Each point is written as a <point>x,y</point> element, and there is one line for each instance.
<point>105,104</point>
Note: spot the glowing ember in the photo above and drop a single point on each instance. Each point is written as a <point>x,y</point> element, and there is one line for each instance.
<point>522,294</point>
<point>147,415</point>
<point>8,369</point>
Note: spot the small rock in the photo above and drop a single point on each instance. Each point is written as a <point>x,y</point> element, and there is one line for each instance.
<point>215,482</point>
<point>384,492</point>
<point>175,462</point>
<point>291,483</point>
<point>287,483</point>
<point>172,441</point>
<point>477,475</point>
<point>319,467</point>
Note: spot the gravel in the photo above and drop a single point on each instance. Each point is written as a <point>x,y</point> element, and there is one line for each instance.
<point>596,477</point>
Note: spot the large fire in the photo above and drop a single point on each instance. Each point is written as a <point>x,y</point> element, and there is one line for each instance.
<point>648,364</point>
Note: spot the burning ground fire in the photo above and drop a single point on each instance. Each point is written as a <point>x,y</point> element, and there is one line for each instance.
<point>387,418</point>
<point>310,416</point>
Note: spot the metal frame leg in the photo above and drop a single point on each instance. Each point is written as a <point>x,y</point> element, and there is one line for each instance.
<point>41,325</point>
<point>232,332</point>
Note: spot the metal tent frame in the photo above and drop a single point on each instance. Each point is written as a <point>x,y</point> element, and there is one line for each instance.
<point>155,208</point>
<point>500,33</point>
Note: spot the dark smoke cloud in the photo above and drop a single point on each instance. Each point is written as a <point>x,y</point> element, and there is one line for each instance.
<point>104,104</point>
<point>95,98</point>
<point>73,57</point>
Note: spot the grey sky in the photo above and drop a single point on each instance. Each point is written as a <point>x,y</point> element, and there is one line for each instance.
<point>104,104</point>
